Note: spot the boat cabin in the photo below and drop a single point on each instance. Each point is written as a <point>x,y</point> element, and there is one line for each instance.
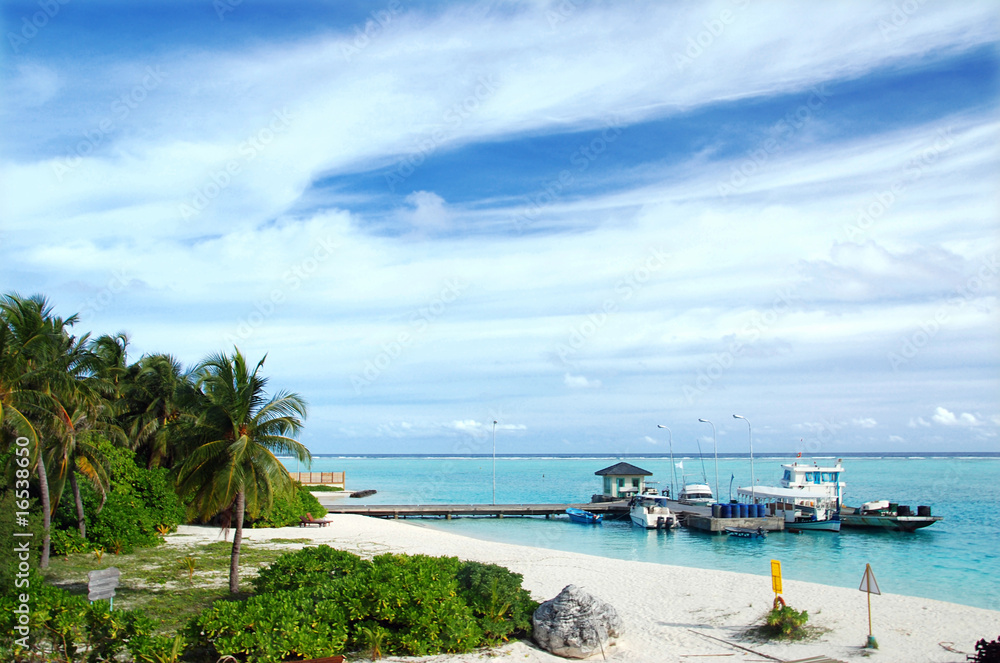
<point>623,480</point>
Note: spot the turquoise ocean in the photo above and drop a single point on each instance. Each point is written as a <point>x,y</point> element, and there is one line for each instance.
<point>956,560</point>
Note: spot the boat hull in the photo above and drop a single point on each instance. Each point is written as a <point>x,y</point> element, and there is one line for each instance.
<point>889,523</point>
<point>652,520</point>
<point>584,517</point>
<point>815,525</point>
<point>746,532</point>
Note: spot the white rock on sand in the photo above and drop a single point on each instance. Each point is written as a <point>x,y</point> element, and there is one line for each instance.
<point>669,611</point>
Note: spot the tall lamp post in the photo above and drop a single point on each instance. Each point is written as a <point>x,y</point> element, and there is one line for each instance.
<point>716,444</point>
<point>494,463</point>
<point>753,481</point>
<point>673,478</point>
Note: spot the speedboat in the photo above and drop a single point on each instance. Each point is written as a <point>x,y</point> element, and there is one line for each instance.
<point>652,512</point>
<point>696,494</point>
<point>584,517</point>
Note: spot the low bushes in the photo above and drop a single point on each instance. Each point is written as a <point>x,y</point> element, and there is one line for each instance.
<point>320,602</point>
<point>785,622</point>
<point>66,627</point>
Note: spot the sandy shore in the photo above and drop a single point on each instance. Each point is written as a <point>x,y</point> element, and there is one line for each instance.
<point>672,613</point>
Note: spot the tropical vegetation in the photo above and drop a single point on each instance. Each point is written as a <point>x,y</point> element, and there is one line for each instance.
<point>115,451</point>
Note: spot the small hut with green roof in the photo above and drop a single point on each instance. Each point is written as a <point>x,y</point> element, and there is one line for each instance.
<point>622,480</point>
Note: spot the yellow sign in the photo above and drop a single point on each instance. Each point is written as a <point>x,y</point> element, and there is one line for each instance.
<point>868,583</point>
<point>776,576</point>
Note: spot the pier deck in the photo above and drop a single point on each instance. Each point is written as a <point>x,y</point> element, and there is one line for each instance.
<point>451,510</point>
<point>695,517</point>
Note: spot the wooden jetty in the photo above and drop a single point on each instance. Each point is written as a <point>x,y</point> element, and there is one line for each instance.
<point>695,517</point>
<point>449,511</point>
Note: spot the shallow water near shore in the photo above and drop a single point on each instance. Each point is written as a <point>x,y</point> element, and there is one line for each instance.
<point>954,560</point>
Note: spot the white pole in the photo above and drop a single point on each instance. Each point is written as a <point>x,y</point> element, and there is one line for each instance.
<point>753,481</point>
<point>716,445</point>
<point>494,463</point>
<point>673,476</point>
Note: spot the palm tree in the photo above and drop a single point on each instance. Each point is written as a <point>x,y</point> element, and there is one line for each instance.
<point>158,394</point>
<point>234,466</point>
<point>31,338</point>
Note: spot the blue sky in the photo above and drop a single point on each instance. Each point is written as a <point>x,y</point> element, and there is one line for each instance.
<point>576,218</point>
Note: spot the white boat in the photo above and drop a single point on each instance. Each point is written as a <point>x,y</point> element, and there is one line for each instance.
<point>809,497</point>
<point>698,494</point>
<point>652,512</point>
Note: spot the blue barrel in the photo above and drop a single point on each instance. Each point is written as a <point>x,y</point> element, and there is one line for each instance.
<point>760,511</point>
<point>727,511</point>
<point>743,510</point>
<point>716,510</point>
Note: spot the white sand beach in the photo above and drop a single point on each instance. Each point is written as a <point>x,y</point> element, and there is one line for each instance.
<point>671,613</point>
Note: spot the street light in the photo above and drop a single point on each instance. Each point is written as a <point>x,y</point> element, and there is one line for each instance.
<point>716,444</point>
<point>753,494</point>
<point>673,478</point>
<point>494,463</point>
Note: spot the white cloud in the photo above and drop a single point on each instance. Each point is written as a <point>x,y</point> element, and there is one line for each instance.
<point>919,422</point>
<point>866,422</point>
<point>947,418</point>
<point>428,213</point>
<point>580,382</point>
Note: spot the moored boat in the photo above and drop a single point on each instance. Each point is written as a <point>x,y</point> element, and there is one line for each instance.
<point>886,515</point>
<point>652,512</point>
<point>584,517</point>
<point>696,494</point>
<point>746,532</point>
<point>807,499</point>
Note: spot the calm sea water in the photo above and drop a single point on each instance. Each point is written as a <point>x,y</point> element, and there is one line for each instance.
<point>957,559</point>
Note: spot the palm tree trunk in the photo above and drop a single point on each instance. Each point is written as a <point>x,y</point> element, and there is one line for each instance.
<point>234,560</point>
<point>80,520</point>
<point>43,486</point>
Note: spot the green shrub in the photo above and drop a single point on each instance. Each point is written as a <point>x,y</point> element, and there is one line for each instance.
<point>140,500</point>
<point>323,488</point>
<point>68,541</point>
<point>502,607</point>
<point>9,524</point>
<point>308,567</point>
<point>411,605</point>
<point>785,623</point>
<point>69,627</point>
<point>272,627</point>
<point>286,511</point>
